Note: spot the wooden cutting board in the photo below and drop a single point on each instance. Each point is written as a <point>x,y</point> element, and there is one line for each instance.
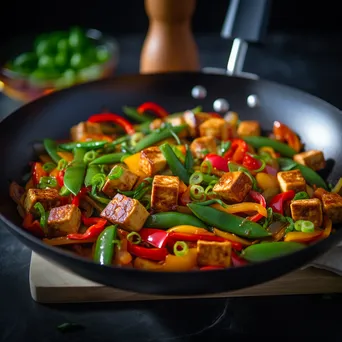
<point>50,283</point>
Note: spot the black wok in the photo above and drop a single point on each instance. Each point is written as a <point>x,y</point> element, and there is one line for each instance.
<point>318,123</point>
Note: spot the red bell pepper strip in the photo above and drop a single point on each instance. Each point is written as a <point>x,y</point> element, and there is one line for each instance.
<point>156,254</point>
<point>32,225</point>
<point>277,202</point>
<point>173,237</point>
<point>257,197</point>
<point>60,178</point>
<point>76,199</point>
<point>237,150</point>
<point>92,231</point>
<point>154,108</point>
<point>37,173</point>
<point>89,221</point>
<point>210,268</point>
<point>155,237</point>
<point>217,161</point>
<point>117,119</point>
<point>251,163</point>
<point>284,133</point>
<point>237,261</point>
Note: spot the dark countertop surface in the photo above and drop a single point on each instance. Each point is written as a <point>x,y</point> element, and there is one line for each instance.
<point>309,62</point>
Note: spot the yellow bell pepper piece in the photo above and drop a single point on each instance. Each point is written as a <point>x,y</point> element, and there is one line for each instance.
<point>132,163</point>
<point>188,230</point>
<point>232,237</point>
<point>172,263</point>
<point>268,150</point>
<point>68,156</point>
<point>302,237</point>
<point>29,184</point>
<point>54,172</point>
<point>242,208</point>
<point>327,228</point>
<point>45,158</point>
<point>266,181</point>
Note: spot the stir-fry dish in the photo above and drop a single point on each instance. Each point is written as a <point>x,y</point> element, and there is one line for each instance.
<point>179,192</point>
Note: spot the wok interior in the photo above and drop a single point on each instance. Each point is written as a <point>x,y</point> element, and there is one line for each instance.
<point>318,123</point>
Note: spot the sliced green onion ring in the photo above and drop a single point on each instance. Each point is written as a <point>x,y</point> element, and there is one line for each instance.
<point>304,226</point>
<point>47,182</point>
<point>184,249</point>
<point>62,164</point>
<point>116,173</point>
<point>43,215</point>
<point>89,156</point>
<point>196,178</point>
<point>134,237</point>
<point>49,166</point>
<point>206,167</point>
<point>97,182</point>
<point>197,192</point>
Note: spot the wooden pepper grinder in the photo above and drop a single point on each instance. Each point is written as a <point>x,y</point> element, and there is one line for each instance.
<point>169,44</point>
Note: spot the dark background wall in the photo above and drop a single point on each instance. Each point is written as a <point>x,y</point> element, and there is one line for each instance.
<point>128,16</point>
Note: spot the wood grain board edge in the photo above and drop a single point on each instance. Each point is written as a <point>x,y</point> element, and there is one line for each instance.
<point>50,283</point>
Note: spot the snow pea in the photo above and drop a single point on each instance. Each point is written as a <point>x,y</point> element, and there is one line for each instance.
<point>104,248</point>
<point>311,176</point>
<point>51,149</point>
<point>92,170</point>
<point>228,222</point>
<point>133,114</point>
<point>278,146</point>
<point>75,171</point>
<point>110,158</point>
<point>168,220</point>
<point>269,250</point>
<point>88,145</point>
<point>157,136</point>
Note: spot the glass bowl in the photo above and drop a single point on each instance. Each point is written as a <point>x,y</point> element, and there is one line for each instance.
<point>25,87</point>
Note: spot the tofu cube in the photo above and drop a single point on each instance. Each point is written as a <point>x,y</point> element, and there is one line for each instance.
<point>165,190</point>
<point>212,253</point>
<point>312,159</point>
<point>200,147</point>
<point>124,183</point>
<point>194,121</point>
<point>152,160</point>
<point>249,128</point>
<point>64,220</point>
<point>49,198</point>
<point>332,206</point>
<point>233,186</point>
<point>156,123</point>
<point>215,127</point>
<point>83,128</point>
<point>291,180</point>
<point>307,209</point>
<point>127,212</point>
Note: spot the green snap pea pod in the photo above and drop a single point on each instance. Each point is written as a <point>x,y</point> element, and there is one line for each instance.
<point>143,127</point>
<point>168,220</point>
<point>189,160</point>
<point>311,177</point>
<point>278,146</point>
<point>88,145</point>
<point>174,163</point>
<point>51,149</point>
<point>75,171</point>
<point>92,170</point>
<point>157,136</point>
<point>110,158</point>
<point>132,113</point>
<point>269,250</point>
<point>104,248</point>
<point>228,222</point>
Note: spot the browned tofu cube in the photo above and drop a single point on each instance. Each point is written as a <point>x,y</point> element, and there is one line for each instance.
<point>249,128</point>
<point>152,160</point>
<point>212,253</point>
<point>194,121</point>
<point>233,186</point>
<point>127,212</point>
<point>307,209</point>
<point>124,183</point>
<point>49,198</point>
<point>291,180</point>
<point>200,147</point>
<point>215,127</point>
<point>64,220</point>
<point>312,159</point>
<point>332,206</point>
<point>319,192</point>
<point>165,190</point>
<point>83,128</point>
